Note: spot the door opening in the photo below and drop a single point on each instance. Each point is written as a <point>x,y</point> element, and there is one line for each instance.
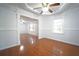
<point>28,28</point>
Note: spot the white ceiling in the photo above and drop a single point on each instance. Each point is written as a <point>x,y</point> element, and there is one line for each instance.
<point>34,5</point>
<point>24,6</point>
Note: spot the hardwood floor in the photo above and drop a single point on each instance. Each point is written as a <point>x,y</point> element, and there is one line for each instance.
<point>42,47</point>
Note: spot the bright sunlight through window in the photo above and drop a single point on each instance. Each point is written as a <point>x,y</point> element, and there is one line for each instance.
<point>32,27</point>
<point>58,26</point>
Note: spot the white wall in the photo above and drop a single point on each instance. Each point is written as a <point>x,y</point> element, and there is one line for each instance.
<point>9,31</point>
<point>71,26</point>
<point>8,28</point>
<point>46,25</point>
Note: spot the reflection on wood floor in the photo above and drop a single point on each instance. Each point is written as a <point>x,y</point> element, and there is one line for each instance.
<point>41,47</point>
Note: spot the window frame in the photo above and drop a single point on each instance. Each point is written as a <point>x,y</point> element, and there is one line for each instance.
<point>58,24</point>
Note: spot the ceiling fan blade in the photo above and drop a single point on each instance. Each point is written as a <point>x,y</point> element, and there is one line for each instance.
<point>50,10</point>
<point>54,4</point>
<point>41,12</point>
<point>37,8</point>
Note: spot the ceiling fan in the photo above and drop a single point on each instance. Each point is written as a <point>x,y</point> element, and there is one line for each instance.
<point>46,7</point>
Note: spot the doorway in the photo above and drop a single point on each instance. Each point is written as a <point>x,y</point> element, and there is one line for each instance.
<point>28,28</point>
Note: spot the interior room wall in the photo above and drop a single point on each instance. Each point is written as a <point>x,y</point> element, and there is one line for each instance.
<point>9,16</point>
<point>8,28</point>
<point>71,26</point>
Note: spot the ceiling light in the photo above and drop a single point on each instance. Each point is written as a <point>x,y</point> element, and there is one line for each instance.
<point>45,9</point>
<point>44,4</point>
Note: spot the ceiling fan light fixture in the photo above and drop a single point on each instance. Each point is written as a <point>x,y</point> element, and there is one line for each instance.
<point>44,4</point>
<point>44,9</point>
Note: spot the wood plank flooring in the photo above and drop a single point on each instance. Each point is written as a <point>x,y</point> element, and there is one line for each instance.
<point>41,47</point>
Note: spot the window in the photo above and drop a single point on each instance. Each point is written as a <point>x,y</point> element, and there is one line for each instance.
<point>32,27</point>
<point>58,26</point>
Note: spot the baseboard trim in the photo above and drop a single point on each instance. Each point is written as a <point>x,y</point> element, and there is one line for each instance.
<point>61,41</point>
<point>6,47</point>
